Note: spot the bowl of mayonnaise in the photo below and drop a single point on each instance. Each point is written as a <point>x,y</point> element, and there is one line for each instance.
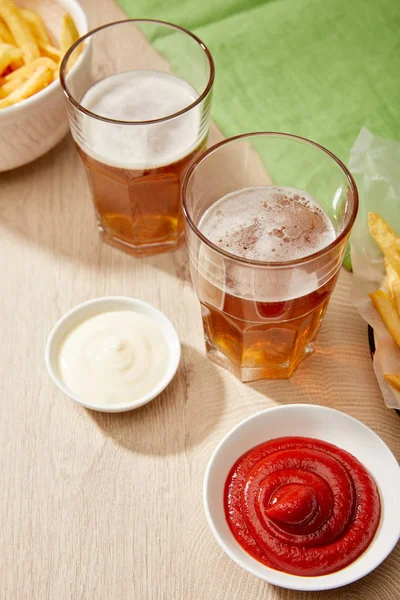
<point>113,354</point>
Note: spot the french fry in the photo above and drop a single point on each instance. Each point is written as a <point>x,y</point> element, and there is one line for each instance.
<point>396,295</point>
<point>394,380</point>
<point>5,34</point>
<point>10,86</point>
<point>28,59</point>
<point>391,275</point>
<point>69,33</point>
<point>36,25</point>
<point>8,54</point>
<point>386,308</point>
<point>49,51</point>
<point>19,29</point>
<point>27,69</point>
<point>36,82</point>
<point>386,239</point>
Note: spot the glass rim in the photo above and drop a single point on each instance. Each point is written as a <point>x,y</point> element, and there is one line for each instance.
<point>262,263</point>
<point>92,32</point>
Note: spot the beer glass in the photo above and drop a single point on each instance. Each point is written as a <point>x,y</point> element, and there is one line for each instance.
<point>138,122</point>
<point>261,316</point>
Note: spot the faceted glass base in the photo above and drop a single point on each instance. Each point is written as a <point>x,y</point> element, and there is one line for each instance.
<point>247,373</point>
<point>141,249</point>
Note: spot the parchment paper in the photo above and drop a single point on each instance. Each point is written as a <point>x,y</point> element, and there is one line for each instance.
<point>375,164</point>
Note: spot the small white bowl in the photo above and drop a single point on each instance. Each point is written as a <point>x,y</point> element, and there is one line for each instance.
<point>92,308</point>
<point>308,421</point>
<point>32,127</point>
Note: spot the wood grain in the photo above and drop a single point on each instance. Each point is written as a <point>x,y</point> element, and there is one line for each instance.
<point>97,506</point>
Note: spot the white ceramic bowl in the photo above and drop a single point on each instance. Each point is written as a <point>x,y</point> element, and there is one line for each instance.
<point>35,125</point>
<point>100,305</point>
<point>318,422</point>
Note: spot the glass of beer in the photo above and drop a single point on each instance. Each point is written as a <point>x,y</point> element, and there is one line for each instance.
<point>138,122</point>
<point>268,216</point>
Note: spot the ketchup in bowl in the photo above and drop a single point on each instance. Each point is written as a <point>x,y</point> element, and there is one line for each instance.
<point>302,505</point>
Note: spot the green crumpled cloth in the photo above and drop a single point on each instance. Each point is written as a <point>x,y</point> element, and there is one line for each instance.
<point>317,68</point>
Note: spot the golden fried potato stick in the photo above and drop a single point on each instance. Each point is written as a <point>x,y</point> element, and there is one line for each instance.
<point>27,69</point>
<point>49,51</point>
<point>36,25</point>
<point>396,295</point>
<point>394,380</point>
<point>386,308</point>
<point>5,34</point>
<point>36,82</point>
<point>8,55</point>
<point>19,29</point>
<point>69,33</point>
<point>386,239</point>
<point>9,86</point>
<point>391,275</point>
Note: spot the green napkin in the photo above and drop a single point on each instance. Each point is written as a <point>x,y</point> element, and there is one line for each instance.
<point>317,68</point>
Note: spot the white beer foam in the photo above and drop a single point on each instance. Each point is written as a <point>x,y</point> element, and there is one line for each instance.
<point>258,223</point>
<point>268,223</point>
<point>140,96</point>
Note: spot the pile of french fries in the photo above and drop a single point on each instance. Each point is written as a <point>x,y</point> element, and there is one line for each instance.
<point>28,60</point>
<point>388,304</point>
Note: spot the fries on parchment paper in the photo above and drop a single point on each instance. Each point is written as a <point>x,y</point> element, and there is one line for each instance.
<point>388,304</point>
<point>28,59</point>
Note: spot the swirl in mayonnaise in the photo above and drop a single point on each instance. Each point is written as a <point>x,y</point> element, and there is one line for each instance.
<point>114,358</point>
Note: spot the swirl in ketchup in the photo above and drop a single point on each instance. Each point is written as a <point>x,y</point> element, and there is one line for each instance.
<point>301,505</point>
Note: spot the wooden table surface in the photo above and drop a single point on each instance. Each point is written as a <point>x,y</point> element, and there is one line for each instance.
<point>96,506</point>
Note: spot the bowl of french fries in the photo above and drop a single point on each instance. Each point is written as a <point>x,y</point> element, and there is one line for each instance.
<point>386,299</point>
<point>34,36</point>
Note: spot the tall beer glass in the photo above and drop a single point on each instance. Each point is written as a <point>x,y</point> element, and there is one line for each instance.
<point>268,216</point>
<point>138,122</point>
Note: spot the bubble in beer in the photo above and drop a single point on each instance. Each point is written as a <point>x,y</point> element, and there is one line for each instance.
<point>268,223</point>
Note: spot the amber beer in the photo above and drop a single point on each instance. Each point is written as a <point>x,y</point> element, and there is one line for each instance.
<point>139,208</point>
<point>265,323</point>
<point>135,172</point>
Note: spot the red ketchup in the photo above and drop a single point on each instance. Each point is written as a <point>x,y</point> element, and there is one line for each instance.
<point>301,505</point>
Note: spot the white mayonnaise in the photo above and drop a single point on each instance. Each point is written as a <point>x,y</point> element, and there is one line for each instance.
<point>114,358</point>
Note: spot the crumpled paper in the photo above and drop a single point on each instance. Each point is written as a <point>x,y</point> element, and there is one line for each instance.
<point>375,165</point>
